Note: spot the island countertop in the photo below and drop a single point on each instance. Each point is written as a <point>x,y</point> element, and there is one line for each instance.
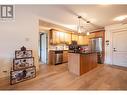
<point>80,63</point>
<point>82,52</point>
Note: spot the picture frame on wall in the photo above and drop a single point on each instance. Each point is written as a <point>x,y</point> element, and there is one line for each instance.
<point>22,63</point>
<point>23,54</point>
<point>22,75</point>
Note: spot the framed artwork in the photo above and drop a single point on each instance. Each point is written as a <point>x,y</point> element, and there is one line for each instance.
<point>22,63</point>
<point>23,54</point>
<point>22,75</point>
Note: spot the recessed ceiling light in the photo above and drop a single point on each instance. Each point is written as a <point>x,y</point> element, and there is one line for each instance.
<point>120,18</point>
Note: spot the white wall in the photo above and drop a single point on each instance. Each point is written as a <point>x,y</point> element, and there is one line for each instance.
<point>23,31</point>
<point>108,36</point>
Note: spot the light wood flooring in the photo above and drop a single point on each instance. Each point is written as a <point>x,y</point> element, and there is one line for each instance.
<point>104,77</point>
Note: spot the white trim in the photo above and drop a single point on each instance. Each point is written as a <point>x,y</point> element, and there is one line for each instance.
<point>109,30</point>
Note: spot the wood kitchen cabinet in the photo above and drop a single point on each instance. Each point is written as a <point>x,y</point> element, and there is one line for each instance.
<point>54,37</point>
<point>86,40</point>
<point>81,63</point>
<point>65,56</point>
<point>88,62</point>
<point>67,37</point>
<point>57,37</point>
<point>81,40</point>
<point>74,37</point>
<point>92,35</point>
<point>99,34</point>
<point>52,57</point>
<point>61,37</point>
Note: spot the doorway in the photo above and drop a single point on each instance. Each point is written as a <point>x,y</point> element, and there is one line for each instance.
<point>43,48</point>
<point>120,48</point>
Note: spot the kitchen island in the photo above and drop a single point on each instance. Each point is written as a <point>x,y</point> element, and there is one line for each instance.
<point>80,63</point>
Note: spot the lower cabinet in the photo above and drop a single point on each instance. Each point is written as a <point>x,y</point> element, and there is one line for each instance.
<point>65,56</point>
<point>52,57</point>
<point>88,62</point>
<point>81,63</point>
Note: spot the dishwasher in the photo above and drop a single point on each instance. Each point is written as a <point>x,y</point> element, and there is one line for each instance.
<point>58,57</point>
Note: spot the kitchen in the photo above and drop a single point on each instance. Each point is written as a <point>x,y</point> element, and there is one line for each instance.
<point>63,43</point>
<point>80,51</point>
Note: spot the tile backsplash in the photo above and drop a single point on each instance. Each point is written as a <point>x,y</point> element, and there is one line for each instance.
<point>58,47</point>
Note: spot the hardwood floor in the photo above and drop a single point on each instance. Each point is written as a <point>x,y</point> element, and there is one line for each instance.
<point>104,77</point>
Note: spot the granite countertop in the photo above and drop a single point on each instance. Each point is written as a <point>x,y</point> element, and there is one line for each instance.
<point>83,52</point>
<point>58,50</point>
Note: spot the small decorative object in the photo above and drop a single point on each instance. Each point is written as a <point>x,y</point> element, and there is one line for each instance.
<point>22,75</point>
<point>23,54</point>
<point>23,66</point>
<point>23,48</point>
<point>22,63</point>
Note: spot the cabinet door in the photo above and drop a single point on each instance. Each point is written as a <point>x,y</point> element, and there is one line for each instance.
<point>61,37</point>
<point>81,40</point>
<point>86,40</point>
<point>99,34</point>
<point>74,37</point>
<point>67,37</point>
<point>65,56</point>
<point>92,35</point>
<point>53,36</point>
<point>56,39</point>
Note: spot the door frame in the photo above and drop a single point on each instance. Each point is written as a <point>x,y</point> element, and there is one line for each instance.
<point>40,35</point>
<point>108,40</point>
<point>112,45</point>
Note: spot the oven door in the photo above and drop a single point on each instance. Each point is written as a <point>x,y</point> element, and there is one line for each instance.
<point>59,58</point>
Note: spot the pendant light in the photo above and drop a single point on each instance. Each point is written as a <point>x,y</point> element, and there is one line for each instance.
<point>79,26</point>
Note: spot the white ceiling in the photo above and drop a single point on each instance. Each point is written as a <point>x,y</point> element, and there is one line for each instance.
<point>66,15</point>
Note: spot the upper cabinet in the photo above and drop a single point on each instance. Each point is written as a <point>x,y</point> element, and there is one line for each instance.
<point>57,37</point>
<point>61,37</point>
<point>81,40</point>
<point>67,37</point>
<point>92,35</point>
<point>74,37</point>
<point>99,34</point>
<point>54,37</point>
<point>96,34</point>
<point>86,40</point>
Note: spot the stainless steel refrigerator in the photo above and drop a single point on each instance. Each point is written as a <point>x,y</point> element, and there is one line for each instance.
<point>96,46</point>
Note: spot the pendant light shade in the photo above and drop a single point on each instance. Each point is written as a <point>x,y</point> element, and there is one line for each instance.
<point>79,28</point>
<point>79,24</point>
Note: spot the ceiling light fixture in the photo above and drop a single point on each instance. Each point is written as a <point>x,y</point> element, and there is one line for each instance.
<point>79,24</point>
<point>120,18</point>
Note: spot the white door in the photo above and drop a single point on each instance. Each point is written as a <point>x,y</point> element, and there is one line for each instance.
<point>43,47</point>
<point>120,48</point>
